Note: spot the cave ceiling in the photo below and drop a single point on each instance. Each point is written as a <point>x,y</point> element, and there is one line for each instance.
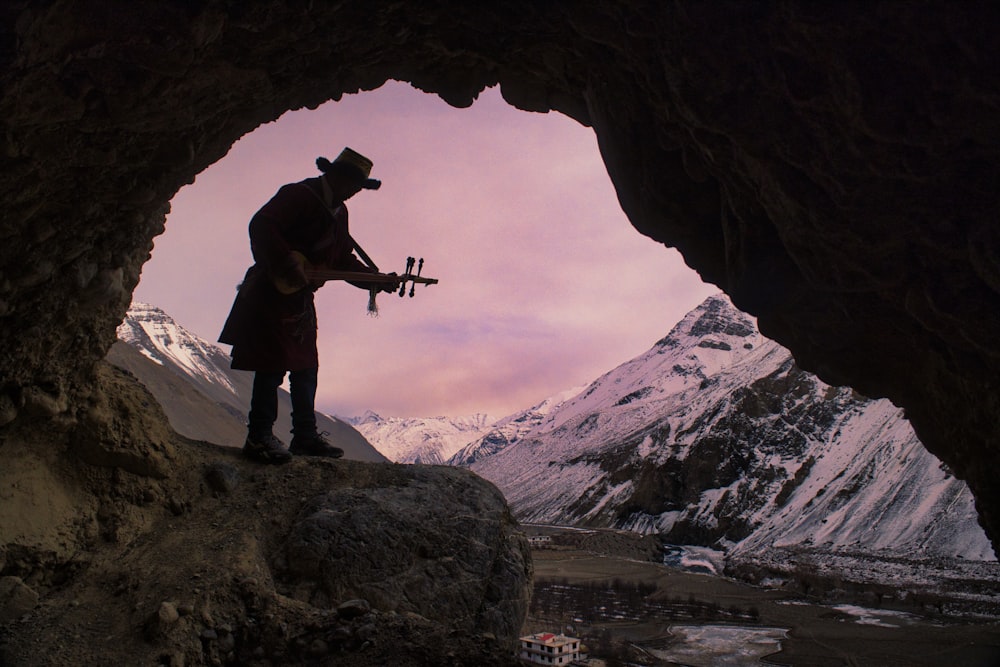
<point>831,166</point>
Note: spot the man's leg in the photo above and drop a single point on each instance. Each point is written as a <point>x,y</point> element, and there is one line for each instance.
<point>305,438</point>
<point>261,445</point>
<point>302,386</point>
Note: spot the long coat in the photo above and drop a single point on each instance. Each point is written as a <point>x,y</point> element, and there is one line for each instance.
<point>271,331</point>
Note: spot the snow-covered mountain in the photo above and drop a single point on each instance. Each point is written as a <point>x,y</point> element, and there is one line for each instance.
<point>715,437</point>
<point>509,430</point>
<point>427,440</point>
<point>451,440</point>
<point>156,336</point>
<point>205,399</point>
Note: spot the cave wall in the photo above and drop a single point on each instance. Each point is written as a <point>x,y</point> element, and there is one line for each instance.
<point>832,166</point>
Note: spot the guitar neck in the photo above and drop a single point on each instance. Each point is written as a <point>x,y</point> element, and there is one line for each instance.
<point>361,276</point>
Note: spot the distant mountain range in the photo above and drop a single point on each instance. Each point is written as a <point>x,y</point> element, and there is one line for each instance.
<point>427,440</point>
<point>205,399</point>
<point>434,440</point>
<point>713,437</point>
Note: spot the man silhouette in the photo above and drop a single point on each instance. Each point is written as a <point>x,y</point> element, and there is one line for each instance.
<point>272,325</point>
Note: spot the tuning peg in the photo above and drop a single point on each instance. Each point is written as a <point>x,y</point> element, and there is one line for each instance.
<point>413,285</point>
<point>409,267</point>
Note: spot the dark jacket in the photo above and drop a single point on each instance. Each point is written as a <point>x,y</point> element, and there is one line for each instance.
<point>271,331</point>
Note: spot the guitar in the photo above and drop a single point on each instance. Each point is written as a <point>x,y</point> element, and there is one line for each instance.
<point>319,275</point>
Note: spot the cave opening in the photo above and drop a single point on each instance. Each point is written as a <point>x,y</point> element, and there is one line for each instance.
<point>544,283</point>
<point>855,219</point>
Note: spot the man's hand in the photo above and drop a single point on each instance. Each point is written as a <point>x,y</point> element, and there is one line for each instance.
<point>293,271</point>
<point>390,287</point>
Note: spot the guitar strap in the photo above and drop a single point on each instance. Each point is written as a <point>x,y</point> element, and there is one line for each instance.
<point>363,255</point>
<point>327,201</point>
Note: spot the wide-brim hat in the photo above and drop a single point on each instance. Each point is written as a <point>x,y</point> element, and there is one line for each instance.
<point>360,163</point>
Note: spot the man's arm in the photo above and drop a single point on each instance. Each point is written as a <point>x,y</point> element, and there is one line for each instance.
<point>268,235</point>
<point>269,227</point>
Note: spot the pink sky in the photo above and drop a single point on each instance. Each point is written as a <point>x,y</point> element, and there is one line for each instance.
<point>544,284</point>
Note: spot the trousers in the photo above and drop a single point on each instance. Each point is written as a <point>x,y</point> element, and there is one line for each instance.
<point>264,401</point>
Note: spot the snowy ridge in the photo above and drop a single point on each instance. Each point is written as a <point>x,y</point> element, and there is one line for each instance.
<point>160,339</point>
<point>510,429</point>
<point>452,440</point>
<point>715,437</point>
<point>427,440</point>
<point>907,490</point>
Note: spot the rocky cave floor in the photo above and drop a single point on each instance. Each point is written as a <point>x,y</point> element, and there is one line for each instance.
<point>192,590</point>
<point>186,569</point>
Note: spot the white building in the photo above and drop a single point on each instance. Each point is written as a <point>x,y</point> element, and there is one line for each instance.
<point>546,648</point>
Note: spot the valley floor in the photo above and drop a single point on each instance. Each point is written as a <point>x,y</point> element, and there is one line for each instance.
<point>814,634</point>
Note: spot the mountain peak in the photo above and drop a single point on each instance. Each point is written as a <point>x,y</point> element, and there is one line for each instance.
<point>163,341</point>
<point>717,316</point>
<point>369,417</point>
<point>715,321</point>
<point>138,309</point>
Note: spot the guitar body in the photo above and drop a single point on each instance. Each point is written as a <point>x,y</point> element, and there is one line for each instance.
<point>282,284</point>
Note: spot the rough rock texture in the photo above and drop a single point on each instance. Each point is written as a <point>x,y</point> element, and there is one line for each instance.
<point>831,166</point>
<point>427,545</point>
<point>208,559</point>
<point>16,599</point>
